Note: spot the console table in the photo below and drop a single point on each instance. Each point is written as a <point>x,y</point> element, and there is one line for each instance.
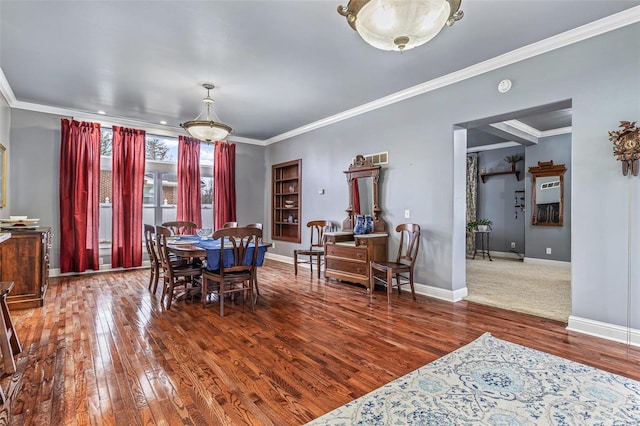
<point>24,259</point>
<point>347,255</point>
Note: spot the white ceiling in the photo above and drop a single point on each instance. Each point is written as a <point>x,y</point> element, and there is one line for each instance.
<point>277,65</point>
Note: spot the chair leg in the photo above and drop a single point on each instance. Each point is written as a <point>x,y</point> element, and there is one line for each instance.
<point>170,295</point>
<point>311,264</point>
<point>203,296</point>
<point>152,273</point>
<point>371,283</point>
<point>389,284</point>
<point>398,284</point>
<point>413,291</point>
<point>221,298</point>
<point>318,263</point>
<point>156,277</point>
<point>295,262</point>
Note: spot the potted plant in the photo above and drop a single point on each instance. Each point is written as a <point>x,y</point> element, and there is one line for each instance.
<point>513,159</point>
<point>481,225</point>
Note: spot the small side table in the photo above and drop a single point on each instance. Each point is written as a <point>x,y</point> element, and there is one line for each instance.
<point>9,343</point>
<point>484,243</point>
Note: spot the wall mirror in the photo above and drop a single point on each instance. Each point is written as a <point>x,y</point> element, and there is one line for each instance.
<point>3,176</point>
<point>362,181</point>
<point>548,194</point>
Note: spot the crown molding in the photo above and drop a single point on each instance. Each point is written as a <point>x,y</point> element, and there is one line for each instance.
<point>555,132</point>
<point>519,125</point>
<point>575,35</point>
<point>492,146</point>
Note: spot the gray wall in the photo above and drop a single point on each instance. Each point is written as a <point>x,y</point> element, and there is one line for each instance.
<point>496,199</point>
<point>558,238</point>
<point>5,127</point>
<point>35,157</point>
<point>423,168</point>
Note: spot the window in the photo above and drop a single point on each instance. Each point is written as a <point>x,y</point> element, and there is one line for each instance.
<point>160,182</point>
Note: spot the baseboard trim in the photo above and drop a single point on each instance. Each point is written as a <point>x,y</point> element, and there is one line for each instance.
<point>281,258</point>
<point>546,262</point>
<point>617,333</point>
<point>106,267</point>
<point>441,293</point>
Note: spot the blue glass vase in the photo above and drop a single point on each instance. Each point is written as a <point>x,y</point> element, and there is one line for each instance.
<point>368,224</point>
<point>359,228</point>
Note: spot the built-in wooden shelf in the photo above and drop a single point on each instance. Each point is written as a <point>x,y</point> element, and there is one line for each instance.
<point>286,201</point>
<point>484,176</point>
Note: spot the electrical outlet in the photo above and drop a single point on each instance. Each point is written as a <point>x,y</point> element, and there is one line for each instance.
<point>513,244</point>
<point>407,214</point>
<point>273,245</point>
<point>548,250</point>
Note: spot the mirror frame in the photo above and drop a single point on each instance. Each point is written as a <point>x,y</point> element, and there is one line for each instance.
<point>547,169</point>
<point>362,167</point>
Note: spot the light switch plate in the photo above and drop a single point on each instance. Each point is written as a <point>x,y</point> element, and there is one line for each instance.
<point>407,214</point>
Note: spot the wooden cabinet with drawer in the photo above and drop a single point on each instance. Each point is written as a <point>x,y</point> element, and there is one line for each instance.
<point>24,259</point>
<point>349,260</point>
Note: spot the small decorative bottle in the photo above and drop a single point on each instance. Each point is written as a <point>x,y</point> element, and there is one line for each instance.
<point>368,224</point>
<point>358,227</point>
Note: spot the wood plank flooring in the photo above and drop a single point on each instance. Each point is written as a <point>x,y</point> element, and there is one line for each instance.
<point>102,351</point>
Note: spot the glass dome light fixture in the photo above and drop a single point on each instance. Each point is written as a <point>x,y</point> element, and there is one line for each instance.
<point>206,130</point>
<point>400,24</point>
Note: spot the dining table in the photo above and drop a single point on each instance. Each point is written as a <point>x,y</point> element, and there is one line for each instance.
<point>193,246</point>
<point>208,250</point>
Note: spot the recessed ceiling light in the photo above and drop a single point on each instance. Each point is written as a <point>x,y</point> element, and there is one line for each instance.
<point>163,122</point>
<point>101,112</point>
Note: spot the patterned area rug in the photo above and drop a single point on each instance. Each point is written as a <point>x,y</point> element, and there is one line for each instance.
<point>494,382</point>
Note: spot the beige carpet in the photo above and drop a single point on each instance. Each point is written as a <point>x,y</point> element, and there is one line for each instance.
<point>537,289</point>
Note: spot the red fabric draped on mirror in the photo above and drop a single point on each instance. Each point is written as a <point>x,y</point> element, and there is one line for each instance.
<point>189,191</point>
<point>128,182</point>
<point>79,195</point>
<point>355,190</point>
<point>224,183</point>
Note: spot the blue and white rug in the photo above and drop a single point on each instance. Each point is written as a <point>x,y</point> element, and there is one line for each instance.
<point>494,382</point>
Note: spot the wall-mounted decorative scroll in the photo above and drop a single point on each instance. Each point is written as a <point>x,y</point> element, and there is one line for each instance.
<point>626,146</point>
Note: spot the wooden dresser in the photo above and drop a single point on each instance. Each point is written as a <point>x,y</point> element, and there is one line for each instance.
<point>24,259</point>
<point>347,256</point>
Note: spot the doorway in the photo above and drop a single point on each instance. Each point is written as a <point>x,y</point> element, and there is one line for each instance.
<point>530,267</point>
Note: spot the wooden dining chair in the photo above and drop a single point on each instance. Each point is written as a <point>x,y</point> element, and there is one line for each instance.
<point>402,268</point>
<point>239,276</point>
<point>230,225</point>
<point>255,282</point>
<point>181,227</point>
<point>176,277</point>
<point>316,246</point>
<point>152,251</point>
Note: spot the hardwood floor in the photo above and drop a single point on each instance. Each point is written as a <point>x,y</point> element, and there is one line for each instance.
<point>103,351</point>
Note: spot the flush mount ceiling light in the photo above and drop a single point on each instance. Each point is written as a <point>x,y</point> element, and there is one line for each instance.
<point>207,130</point>
<point>400,24</point>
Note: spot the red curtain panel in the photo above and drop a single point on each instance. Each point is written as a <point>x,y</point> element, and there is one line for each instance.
<point>128,183</point>
<point>79,196</point>
<point>224,183</point>
<point>189,191</point>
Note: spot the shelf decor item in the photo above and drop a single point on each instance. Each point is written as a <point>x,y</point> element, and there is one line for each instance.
<point>359,227</point>
<point>513,159</point>
<point>368,224</point>
<point>480,225</point>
